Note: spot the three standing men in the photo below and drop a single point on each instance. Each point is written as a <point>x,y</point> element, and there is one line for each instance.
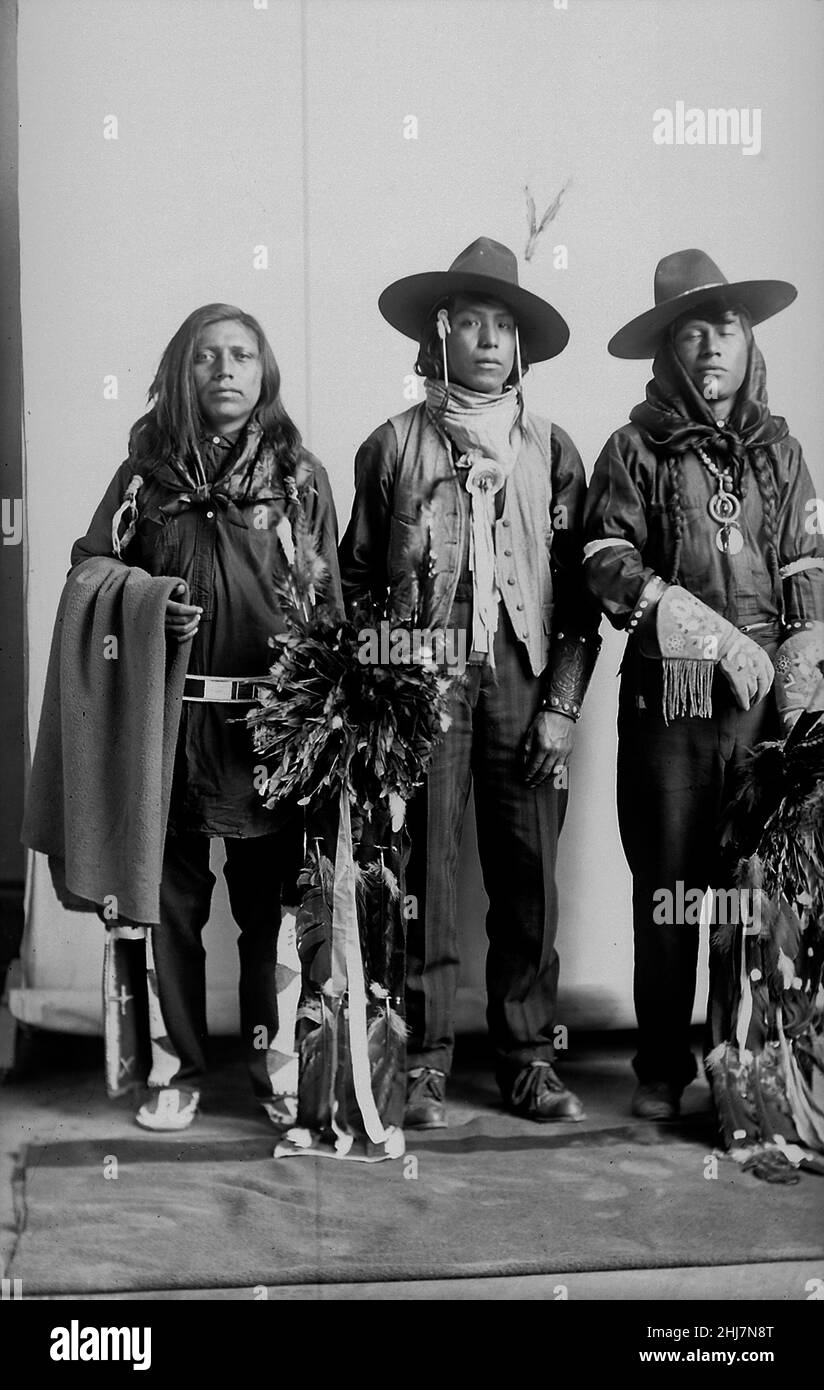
<point>698,543</point>
<point>498,495</point>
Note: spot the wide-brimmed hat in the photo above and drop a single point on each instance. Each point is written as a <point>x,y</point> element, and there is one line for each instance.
<point>486,267</point>
<point>683,282</point>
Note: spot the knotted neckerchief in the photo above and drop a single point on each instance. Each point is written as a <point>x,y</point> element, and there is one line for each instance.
<point>675,417</point>
<point>486,430</point>
<point>255,475</point>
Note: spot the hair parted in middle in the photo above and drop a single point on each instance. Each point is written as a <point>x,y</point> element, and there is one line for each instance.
<point>429,360</point>
<point>174,425</point>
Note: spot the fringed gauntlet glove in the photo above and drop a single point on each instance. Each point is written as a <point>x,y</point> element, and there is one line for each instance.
<point>692,639</point>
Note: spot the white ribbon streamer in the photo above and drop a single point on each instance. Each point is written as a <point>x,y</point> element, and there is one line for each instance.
<point>347,972</point>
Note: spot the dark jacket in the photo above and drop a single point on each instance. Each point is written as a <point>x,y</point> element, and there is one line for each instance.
<point>224,545</point>
<point>630,499</point>
<point>543,588</point>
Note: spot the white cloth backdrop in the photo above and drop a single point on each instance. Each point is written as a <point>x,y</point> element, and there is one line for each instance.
<point>294,159</point>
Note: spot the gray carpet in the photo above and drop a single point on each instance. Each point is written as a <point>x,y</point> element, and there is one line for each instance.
<point>493,1196</point>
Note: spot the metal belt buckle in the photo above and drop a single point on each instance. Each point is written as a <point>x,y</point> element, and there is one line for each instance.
<point>214,688</point>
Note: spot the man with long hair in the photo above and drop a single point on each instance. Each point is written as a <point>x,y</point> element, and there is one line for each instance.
<point>701,542</point>
<point>494,495</point>
<point>216,482</point>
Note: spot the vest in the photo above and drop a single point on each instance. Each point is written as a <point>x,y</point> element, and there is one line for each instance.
<point>429,489</point>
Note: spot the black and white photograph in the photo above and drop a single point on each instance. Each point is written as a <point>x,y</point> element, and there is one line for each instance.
<point>412,665</point>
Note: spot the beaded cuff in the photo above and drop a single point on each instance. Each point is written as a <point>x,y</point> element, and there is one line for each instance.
<point>799,667</point>
<point>641,618</point>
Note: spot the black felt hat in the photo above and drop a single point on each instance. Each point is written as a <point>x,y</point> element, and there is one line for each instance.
<point>488,268</point>
<point>683,282</point>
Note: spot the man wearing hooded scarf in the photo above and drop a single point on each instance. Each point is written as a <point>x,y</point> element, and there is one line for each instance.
<point>494,495</point>
<point>702,543</point>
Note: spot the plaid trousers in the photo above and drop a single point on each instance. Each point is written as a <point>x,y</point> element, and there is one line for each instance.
<point>518,828</point>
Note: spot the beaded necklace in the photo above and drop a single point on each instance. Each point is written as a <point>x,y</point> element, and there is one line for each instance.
<point>724,507</point>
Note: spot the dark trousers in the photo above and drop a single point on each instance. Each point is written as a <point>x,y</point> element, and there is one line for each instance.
<point>673,783</point>
<point>518,828</point>
<point>254,871</point>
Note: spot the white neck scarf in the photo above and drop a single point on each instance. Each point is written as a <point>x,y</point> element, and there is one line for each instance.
<point>478,423</point>
<point>487,431</point>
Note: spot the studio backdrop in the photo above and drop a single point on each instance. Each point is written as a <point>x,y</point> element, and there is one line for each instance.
<point>294,158</point>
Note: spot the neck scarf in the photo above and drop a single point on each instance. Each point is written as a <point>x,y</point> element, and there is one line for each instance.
<point>477,423</point>
<point>487,430</point>
<point>675,417</point>
<point>255,474</point>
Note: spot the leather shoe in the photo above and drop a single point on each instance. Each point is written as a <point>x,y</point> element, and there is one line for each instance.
<point>539,1094</point>
<point>425,1099</point>
<point>656,1100</point>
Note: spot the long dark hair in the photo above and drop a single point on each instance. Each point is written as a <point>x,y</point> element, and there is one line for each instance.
<point>429,362</point>
<point>173,425</point>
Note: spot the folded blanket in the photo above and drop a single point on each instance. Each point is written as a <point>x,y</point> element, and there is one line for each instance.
<point>98,797</point>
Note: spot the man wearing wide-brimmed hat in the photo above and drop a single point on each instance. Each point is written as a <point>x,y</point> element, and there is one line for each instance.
<point>702,543</point>
<point>497,494</point>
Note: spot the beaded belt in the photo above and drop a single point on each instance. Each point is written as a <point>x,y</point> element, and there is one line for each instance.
<point>228,690</point>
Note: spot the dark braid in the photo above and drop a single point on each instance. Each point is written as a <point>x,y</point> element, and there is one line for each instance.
<point>763,466</point>
<point>677,513</point>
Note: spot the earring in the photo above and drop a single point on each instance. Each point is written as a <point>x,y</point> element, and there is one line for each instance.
<point>444,327</point>
<point>518,360</point>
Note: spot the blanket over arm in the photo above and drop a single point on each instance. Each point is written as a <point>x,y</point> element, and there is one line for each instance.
<point>98,797</point>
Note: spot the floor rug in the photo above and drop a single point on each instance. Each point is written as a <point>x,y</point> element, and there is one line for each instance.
<point>494,1196</point>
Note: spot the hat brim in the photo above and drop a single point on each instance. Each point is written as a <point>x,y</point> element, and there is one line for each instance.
<point>406,303</point>
<point>641,337</point>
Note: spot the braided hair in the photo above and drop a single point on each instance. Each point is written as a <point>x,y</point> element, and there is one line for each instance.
<point>674,418</point>
<point>676,510</point>
<point>763,463</point>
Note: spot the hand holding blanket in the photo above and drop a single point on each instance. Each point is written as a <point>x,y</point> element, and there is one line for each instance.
<point>98,798</point>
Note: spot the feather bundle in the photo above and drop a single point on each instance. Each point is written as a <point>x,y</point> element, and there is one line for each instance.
<point>767,1074</point>
<point>327,718</point>
<point>329,723</point>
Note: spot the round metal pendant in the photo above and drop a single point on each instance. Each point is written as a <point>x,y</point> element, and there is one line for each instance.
<point>730,540</point>
<point>724,507</point>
